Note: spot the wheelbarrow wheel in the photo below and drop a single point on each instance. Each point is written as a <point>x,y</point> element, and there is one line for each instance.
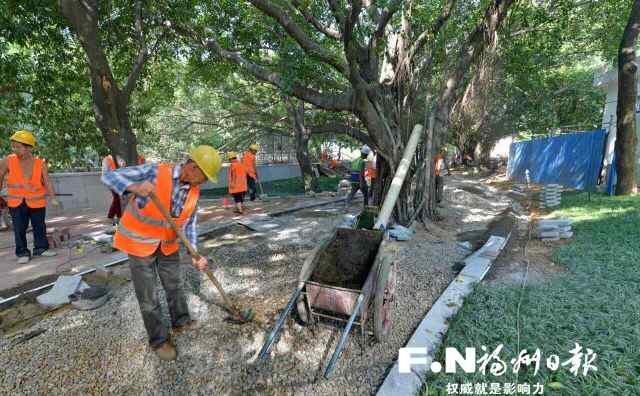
<point>383,299</point>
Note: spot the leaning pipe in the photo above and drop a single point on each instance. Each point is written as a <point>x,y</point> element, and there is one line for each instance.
<point>398,179</point>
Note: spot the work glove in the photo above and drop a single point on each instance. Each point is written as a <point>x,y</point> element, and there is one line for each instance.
<point>55,203</point>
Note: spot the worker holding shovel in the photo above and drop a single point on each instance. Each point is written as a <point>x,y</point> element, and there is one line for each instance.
<point>249,162</point>
<point>151,242</point>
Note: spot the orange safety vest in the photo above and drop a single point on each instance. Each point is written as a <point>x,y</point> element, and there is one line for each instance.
<point>249,162</point>
<point>371,169</point>
<point>237,177</point>
<point>141,230</point>
<point>438,159</point>
<point>112,163</point>
<point>18,189</point>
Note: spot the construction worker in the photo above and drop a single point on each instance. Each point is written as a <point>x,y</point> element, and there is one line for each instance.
<point>27,185</point>
<point>249,162</point>
<point>109,165</point>
<point>439,164</point>
<point>151,243</point>
<point>371,175</point>
<point>237,179</point>
<point>358,180</point>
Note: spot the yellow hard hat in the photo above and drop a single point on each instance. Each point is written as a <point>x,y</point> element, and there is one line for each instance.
<point>208,160</point>
<point>24,137</point>
<point>254,147</point>
<point>231,154</point>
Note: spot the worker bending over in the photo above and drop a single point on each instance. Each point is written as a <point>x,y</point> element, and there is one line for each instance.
<point>27,186</point>
<point>249,162</point>
<point>237,179</point>
<point>358,181</point>
<point>151,243</point>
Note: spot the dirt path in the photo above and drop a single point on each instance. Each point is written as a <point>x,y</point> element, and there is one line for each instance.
<point>104,351</point>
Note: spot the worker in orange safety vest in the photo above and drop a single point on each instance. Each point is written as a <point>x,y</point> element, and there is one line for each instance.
<point>237,179</point>
<point>249,162</point>
<point>152,245</point>
<point>28,184</point>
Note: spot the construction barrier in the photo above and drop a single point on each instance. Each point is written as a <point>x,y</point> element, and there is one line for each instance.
<point>572,160</point>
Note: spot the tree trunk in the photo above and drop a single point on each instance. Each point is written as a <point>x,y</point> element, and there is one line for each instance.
<point>302,134</point>
<point>110,103</point>
<point>626,138</point>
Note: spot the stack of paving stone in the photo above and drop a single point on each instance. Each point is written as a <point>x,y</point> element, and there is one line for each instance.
<point>553,230</point>
<point>550,196</point>
<point>520,188</point>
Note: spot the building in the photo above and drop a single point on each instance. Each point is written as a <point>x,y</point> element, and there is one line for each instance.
<point>608,82</point>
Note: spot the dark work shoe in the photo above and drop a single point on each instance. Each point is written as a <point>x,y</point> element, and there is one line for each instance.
<point>166,351</point>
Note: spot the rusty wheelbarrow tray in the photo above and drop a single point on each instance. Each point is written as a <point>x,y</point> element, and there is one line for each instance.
<point>346,278</point>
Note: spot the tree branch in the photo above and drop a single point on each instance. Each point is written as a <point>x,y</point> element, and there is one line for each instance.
<point>322,100</point>
<point>356,133</point>
<point>433,30</point>
<point>143,54</point>
<point>298,34</point>
<point>333,34</point>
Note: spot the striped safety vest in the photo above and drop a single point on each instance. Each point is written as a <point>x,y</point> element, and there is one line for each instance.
<point>140,231</point>
<point>18,189</point>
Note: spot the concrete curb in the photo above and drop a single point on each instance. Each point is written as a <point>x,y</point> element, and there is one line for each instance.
<point>204,229</point>
<point>435,324</point>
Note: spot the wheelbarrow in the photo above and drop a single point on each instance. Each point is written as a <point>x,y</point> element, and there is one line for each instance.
<point>350,276</point>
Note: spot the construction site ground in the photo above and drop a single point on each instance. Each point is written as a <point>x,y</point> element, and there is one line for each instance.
<point>105,351</point>
<point>81,253</point>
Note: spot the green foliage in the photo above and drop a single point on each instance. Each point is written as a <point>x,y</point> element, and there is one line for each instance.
<point>593,303</point>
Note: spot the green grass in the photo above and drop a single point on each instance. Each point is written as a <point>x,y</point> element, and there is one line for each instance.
<point>595,303</point>
<point>292,186</point>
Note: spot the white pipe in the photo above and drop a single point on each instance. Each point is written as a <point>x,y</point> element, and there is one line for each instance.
<point>398,179</point>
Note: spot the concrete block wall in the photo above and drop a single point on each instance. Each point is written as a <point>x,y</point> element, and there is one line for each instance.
<point>88,191</point>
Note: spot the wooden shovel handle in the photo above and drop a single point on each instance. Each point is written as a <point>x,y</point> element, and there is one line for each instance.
<point>190,248</point>
<point>174,226</point>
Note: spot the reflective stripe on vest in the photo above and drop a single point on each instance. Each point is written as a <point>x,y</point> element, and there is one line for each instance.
<point>140,231</point>
<point>18,188</point>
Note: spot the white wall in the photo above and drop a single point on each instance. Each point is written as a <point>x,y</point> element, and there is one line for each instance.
<point>609,83</point>
<point>88,191</point>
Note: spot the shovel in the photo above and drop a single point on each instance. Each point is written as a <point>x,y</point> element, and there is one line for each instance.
<point>262,196</point>
<point>237,316</point>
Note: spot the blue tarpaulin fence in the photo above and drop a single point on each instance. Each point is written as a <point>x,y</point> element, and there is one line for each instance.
<point>572,159</point>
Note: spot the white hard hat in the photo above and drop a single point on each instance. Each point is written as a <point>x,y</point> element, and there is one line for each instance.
<point>365,150</point>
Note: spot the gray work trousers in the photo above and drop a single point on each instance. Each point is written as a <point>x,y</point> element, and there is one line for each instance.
<point>143,276</point>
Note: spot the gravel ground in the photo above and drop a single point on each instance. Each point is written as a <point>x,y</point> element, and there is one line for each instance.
<point>105,351</point>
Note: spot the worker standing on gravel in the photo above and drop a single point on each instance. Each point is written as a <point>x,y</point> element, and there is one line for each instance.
<point>358,181</point>
<point>237,179</point>
<point>151,243</point>
<point>109,165</point>
<point>438,166</point>
<point>249,162</point>
<point>371,175</point>
<point>27,186</point>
